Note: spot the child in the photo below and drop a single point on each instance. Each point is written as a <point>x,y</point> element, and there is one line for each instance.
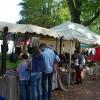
<point>24,77</point>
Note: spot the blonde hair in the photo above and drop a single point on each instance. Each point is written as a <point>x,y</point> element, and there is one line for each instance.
<point>35,42</point>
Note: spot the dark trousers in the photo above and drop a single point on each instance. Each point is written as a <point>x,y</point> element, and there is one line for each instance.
<point>24,90</point>
<point>47,86</point>
<point>78,75</point>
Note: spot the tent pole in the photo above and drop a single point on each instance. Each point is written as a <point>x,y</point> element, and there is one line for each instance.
<point>69,70</point>
<point>4,51</point>
<point>56,43</point>
<point>61,40</point>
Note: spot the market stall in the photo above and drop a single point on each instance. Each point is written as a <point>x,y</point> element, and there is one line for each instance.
<point>76,32</point>
<point>8,82</point>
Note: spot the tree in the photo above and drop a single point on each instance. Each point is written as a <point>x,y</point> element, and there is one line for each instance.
<point>85,12</point>
<point>47,14</point>
<point>95,26</point>
<point>86,8</point>
<point>29,7</point>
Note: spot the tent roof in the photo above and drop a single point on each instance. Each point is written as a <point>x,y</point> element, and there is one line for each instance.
<point>13,28</point>
<point>72,30</point>
<point>82,45</point>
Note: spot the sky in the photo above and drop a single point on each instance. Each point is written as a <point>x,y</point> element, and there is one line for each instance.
<point>9,10</point>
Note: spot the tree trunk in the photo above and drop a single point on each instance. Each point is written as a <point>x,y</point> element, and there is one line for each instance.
<point>74,7</point>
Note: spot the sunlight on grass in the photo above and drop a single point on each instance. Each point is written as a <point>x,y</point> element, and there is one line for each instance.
<point>11,65</point>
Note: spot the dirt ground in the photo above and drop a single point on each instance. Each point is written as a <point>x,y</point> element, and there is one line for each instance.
<point>88,90</point>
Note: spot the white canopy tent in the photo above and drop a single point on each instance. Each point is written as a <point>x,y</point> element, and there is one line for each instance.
<point>69,30</point>
<point>72,31</point>
<point>14,28</point>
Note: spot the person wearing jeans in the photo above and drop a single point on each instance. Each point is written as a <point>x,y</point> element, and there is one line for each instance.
<point>36,86</point>
<point>47,78</point>
<point>49,59</point>
<point>24,90</point>
<point>36,74</point>
<point>24,77</point>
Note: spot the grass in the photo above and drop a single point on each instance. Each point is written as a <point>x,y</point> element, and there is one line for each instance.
<point>11,65</point>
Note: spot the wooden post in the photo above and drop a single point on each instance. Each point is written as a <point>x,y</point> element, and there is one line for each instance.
<point>4,48</point>
<point>69,69</point>
<point>56,43</point>
<point>61,39</point>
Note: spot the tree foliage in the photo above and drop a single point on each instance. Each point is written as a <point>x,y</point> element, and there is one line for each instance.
<point>86,12</point>
<point>48,13</point>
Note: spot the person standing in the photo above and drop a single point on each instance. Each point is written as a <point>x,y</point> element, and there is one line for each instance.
<point>79,66</point>
<point>23,71</point>
<point>36,74</point>
<point>49,60</point>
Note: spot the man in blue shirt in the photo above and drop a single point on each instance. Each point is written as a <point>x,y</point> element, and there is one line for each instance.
<point>49,59</point>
